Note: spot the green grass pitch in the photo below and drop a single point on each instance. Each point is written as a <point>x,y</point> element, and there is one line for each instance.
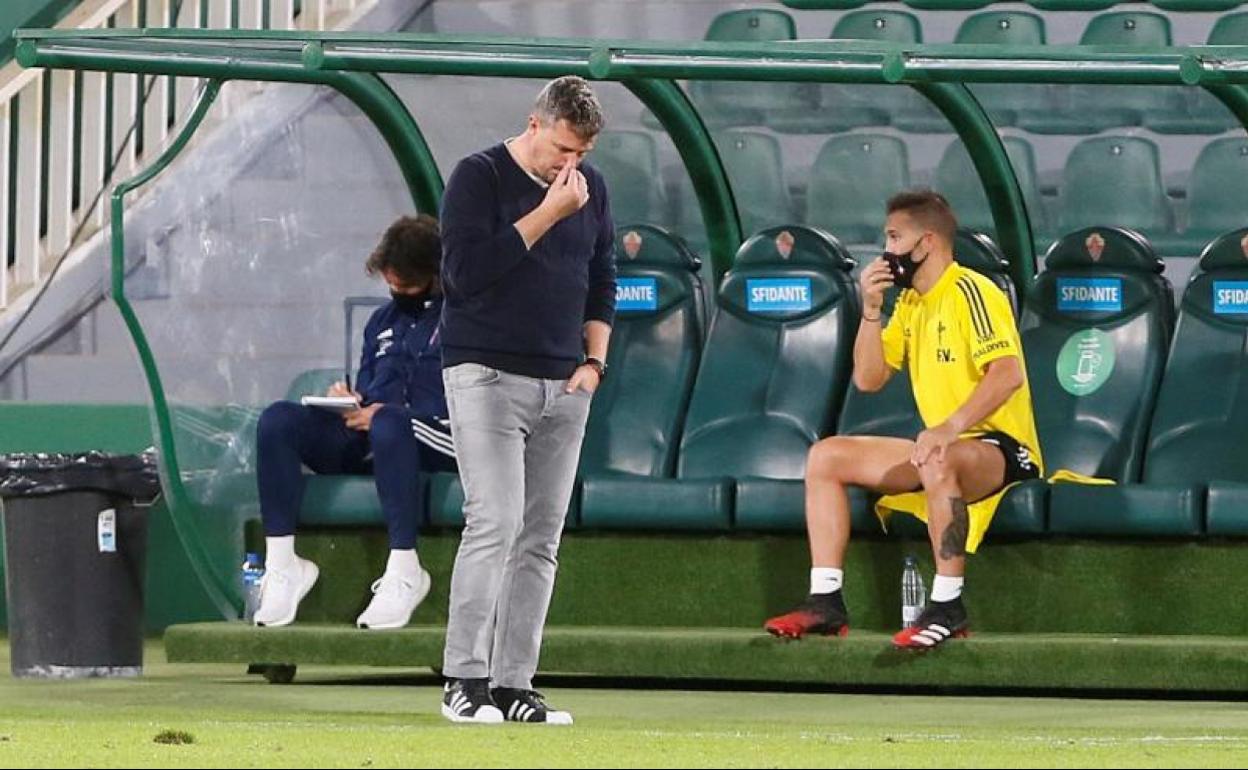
<point>216,716</point>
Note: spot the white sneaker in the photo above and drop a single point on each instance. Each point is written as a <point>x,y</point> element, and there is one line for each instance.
<point>395,598</point>
<point>282,590</point>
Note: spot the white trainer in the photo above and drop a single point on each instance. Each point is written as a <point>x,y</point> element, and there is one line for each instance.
<point>282,590</point>
<point>395,598</point>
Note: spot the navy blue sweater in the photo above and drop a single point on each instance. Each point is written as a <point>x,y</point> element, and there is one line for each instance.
<point>511,308</point>
<point>401,362</point>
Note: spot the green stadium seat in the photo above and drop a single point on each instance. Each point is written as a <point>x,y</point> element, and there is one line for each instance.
<point>634,426</point>
<point>772,376</point>
<point>1199,112</point>
<point>1073,5</point>
<point>1197,432</point>
<point>1115,181</point>
<point>1195,439</point>
<point>724,104</point>
<point>755,168</point>
<point>1015,28</point>
<point>1193,6</point>
<point>844,107</point>
<point>1089,109</point>
<point>629,162</point>
<point>852,178</point>
<point>1095,329</point>
<point>956,179</point>
<point>1189,110</point>
<point>1217,192</point>
<point>948,5</point>
<point>1012,28</point>
<point>1231,29</point>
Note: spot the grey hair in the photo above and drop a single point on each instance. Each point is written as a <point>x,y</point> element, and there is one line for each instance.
<point>570,98</point>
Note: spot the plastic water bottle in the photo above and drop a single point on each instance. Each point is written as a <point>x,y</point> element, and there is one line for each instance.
<point>253,571</point>
<point>913,593</point>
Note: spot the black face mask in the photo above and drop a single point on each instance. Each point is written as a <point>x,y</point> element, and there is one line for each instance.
<point>410,303</point>
<point>903,267</point>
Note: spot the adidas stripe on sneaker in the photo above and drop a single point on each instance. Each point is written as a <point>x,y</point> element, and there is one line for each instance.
<point>528,706</point>
<point>469,701</point>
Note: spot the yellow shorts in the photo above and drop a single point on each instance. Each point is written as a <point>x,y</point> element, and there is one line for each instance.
<point>980,512</point>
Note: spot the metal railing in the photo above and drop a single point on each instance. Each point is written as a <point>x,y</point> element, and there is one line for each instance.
<point>65,135</point>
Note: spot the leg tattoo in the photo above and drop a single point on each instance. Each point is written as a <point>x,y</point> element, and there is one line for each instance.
<point>953,540</point>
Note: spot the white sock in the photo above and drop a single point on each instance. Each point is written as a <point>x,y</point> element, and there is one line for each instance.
<point>279,552</point>
<point>404,562</point>
<point>946,588</point>
<point>826,580</point>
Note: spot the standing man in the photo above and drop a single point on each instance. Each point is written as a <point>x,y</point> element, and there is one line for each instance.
<point>954,331</point>
<point>529,278</point>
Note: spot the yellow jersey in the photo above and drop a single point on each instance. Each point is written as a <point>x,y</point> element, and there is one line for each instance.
<point>946,338</point>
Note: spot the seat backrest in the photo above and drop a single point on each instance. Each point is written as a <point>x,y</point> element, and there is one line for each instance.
<point>1002,28</point>
<point>1095,328</point>
<point>758,25</point>
<point>888,26</point>
<point>958,181</point>
<point>1114,180</point>
<point>1198,428</point>
<point>1072,5</point>
<point>776,359</point>
<point>891,411</point>
<point>851,180</point>
<point>1231,29</point>
<point>1217,192</point>
<point>755,169</point>
<point>891,101</point>
<point>752,24</point>
<point>655,344</point>
<point>629,163</point>
<point>1128,28</point>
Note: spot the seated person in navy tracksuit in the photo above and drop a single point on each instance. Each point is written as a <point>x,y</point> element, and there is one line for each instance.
<point>400,432</point>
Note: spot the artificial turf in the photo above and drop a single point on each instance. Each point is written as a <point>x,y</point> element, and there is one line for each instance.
<point>352,717</point>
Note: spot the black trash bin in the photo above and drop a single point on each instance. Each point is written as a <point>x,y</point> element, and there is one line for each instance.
<point>75,545</point>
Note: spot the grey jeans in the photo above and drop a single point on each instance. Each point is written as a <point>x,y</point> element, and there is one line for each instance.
<point>518,441</point>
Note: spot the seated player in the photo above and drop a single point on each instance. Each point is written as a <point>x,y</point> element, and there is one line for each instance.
<point>954,331</point>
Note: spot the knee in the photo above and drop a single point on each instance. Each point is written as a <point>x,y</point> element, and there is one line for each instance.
<point>941,474</point>
<point>391,429</point>
<point>280,420</point>
<point>831,459</point>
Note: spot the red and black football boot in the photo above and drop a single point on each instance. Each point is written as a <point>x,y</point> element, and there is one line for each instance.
<point>817,614</point>
<point>938,623</point>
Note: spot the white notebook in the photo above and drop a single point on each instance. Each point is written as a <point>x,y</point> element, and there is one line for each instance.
<point>332,403</point>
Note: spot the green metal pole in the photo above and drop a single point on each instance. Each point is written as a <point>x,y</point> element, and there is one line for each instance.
<point>219,591</point>
<point>400,131</point>
<point>706,169</point>
<point>1235,98</point>
<point>992,163</point>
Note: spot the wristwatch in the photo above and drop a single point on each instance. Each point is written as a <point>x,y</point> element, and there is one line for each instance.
<point>598,364</point>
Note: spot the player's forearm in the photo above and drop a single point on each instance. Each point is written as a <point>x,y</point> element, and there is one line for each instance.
<point>1003,377</point>
<point>871,371</point>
